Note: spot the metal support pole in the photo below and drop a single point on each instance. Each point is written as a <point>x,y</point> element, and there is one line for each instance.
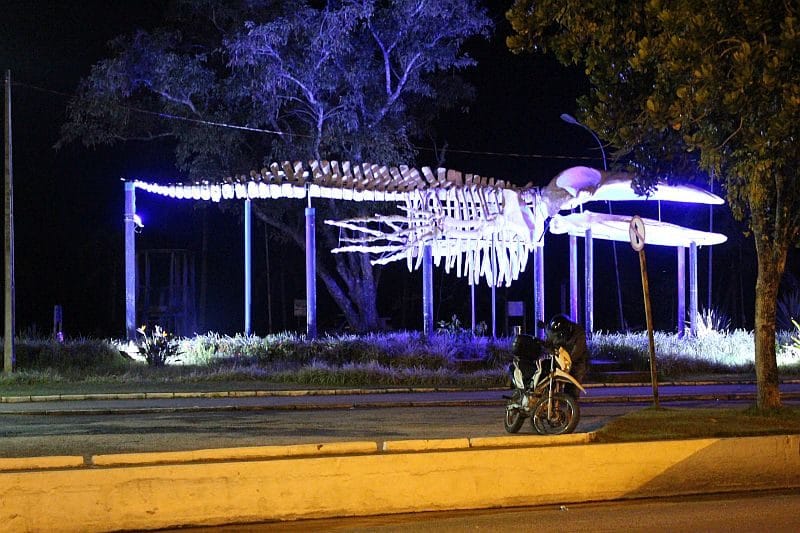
<point>248,264</point>
<point>538,268</point>
<point>573,278</point>
<point>693,288</point>
<point>622,325</point>
<point>58,323</point>
<point>589,283</point>
<point>311,274</point>
<point>427,290</point>
<point>472,306</point>
<point>681,291</point>
<point>130,261</point>
<point>494,290</point>
<point>710,253</point>
<point>9,347</point>
<point>494,311</point>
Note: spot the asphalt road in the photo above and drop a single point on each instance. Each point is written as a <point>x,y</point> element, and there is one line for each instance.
<point>93,434</point>
<point>192,424</point>
<point>724,513</point>
<point>53,426</point>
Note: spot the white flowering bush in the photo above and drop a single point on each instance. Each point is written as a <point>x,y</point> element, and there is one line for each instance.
<point>158,347</point>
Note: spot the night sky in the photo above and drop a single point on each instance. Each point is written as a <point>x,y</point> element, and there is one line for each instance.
<point>68,203</point>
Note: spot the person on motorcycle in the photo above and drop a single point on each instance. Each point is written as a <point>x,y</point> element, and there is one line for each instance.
<point>562,332</point>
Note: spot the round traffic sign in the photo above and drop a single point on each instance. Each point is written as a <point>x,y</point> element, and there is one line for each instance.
<point>636,233</point>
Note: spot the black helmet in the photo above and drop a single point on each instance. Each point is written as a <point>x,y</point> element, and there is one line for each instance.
<point>526,347</point>
<point>559,328</point>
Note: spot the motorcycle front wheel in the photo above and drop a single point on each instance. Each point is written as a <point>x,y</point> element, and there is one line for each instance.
<point>514,416</point>
<point>562,418</point>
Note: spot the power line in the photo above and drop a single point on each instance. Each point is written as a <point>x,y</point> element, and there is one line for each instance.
<point>507,154</point>
<point>284,133</point>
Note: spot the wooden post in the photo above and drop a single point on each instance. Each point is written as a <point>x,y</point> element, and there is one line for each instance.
<point>649,317</point>
<point>9,348</point>
<point>636,232</point>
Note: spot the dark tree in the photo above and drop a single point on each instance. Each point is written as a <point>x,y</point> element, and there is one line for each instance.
<point>356,80</point>
<point>695,87</point>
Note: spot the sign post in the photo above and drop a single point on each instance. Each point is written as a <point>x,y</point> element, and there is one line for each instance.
<point>636,233</point>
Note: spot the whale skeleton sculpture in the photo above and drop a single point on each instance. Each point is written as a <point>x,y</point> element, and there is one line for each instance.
<point>490,231</point>
<point>479,226</point>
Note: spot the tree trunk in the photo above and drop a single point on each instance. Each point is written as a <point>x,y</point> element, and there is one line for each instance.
<point>354,289</point>
<point>771,262</point>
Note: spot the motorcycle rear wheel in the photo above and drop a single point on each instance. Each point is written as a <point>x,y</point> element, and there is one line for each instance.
<point>514,416</point>
<point>563,418</point>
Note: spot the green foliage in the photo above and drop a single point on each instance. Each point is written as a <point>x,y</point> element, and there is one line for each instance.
<point>690,423</point>
<point>399,359</point>
<point>712,322</point>
<point>694,88</point>
<point>158,347</point>
<point>452,326</point>
<point>683,85</point>
<point>358,80</point>
<point>73,357</point>
<point>788,309</point>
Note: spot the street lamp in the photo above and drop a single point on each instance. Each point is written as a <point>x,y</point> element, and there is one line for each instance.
<point>569,119</point>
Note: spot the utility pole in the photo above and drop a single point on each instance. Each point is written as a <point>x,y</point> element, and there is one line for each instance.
<point>10,313</point>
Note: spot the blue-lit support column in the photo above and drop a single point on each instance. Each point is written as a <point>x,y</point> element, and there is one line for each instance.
<point>311,273</point>
<point>573,278</point>
<point>494,290</point>
<point>248,259</point>
<point>589,283</point>
<point>130,261</point>
<point>538,288</point>
<point>427,290</point>
<point>681,291</point>
<point>693,288</point>
<point>472,306</point>
<point>494,311</point>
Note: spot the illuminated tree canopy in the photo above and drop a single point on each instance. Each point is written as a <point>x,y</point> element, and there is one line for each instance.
<point>694,88</point>
<point>293,79</point>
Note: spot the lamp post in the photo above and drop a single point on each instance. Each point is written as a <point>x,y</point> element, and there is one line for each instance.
<point>569,119</point>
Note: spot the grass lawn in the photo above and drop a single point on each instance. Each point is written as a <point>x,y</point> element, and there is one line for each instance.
<point>213,362</point>
<point>688,423</point>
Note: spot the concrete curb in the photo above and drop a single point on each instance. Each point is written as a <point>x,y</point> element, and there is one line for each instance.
<point>282,393</point>
<point>212,487</point>
<point>635,399</point>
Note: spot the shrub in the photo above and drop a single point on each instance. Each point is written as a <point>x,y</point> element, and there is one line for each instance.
<point>77,356</point>
<point>159,347</point>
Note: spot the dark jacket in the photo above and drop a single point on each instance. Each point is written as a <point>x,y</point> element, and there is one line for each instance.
<point>575,344</point>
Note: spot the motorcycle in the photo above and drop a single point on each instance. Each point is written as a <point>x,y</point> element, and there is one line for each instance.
<point>541,396</point>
